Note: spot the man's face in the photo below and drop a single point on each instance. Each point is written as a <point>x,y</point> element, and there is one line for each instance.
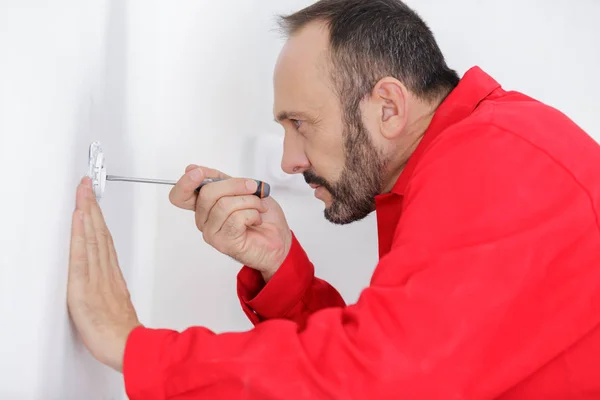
<point>335,152</point>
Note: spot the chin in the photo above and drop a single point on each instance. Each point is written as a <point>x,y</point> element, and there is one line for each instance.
<point>343,213</point>
<point>338,218</point>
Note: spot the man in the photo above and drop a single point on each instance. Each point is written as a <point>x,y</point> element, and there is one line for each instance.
<point>488,283</point>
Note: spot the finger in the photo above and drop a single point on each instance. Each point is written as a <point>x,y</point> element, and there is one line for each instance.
<point>108,260</point>
<point>87,181</point>
<point>183,194</point>
<point>237,224</point>
<point>78,258</point>
<point>84,195</point>
<point>191,167</point>
<point>78,262</point>
<point>112,251</point>
<point>210,172</point>
<point>226,206</point>
<point>117,274</point>
<point>101,233</point>
<point>211,193</point>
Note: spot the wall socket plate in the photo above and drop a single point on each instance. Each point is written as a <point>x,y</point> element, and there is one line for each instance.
<point>97,169</point>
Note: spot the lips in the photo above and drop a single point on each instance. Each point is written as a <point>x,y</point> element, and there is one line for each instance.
<point>314,185</point>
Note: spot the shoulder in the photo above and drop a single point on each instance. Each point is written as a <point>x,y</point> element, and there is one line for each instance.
<point>479,173</point>
<point>510,137</point>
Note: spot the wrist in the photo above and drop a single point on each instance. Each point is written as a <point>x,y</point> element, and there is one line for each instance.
<point>267,275</point>
<point>120,343</point>
<point>287,244</point>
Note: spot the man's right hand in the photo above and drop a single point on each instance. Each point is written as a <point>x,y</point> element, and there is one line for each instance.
<point>237,223</point>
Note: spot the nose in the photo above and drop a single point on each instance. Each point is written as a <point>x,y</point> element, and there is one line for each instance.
<point>294,160</point>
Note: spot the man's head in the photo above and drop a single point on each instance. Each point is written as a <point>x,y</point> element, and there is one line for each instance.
<point>355,87</point>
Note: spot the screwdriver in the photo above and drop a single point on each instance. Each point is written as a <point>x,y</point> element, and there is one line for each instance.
<point>263,190</point>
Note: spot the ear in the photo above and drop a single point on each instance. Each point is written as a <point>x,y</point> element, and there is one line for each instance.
<point>391,98</point>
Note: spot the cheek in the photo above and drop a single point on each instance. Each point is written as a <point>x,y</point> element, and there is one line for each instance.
<point>326,156</point>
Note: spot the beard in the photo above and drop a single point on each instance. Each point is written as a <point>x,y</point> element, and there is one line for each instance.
<point>353,194</point>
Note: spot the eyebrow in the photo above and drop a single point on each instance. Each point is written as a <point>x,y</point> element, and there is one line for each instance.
<point>285,115</point>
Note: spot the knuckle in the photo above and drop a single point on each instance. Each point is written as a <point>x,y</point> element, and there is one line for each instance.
<point>102,233</point>
<point>229,227</point>
<point>80,259</point>
<point>236,224</point>
<point>200,215</point>
<point>249,215</point>
<point>252,217</point>
<point>224,204</point>
<point>256,202</point>
<point>176,196</point>
<point>204,195</point>
<point>172,198</point>
<point>92,240</point>
<point>212,241</point>
<point>245,201</point>
<point>199,223</point>
<point>239,218</point>
<point>78,243</point>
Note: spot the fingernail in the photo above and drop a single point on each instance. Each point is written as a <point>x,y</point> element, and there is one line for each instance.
<point>196,175</point>
<point>251,185</point>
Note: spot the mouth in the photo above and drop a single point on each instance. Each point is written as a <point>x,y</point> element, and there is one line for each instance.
<point>314,185</point>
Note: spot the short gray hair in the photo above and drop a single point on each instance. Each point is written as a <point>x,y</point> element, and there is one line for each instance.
<point>372,39</point>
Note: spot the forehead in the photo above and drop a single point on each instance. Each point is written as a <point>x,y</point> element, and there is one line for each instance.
<point>301,79</point>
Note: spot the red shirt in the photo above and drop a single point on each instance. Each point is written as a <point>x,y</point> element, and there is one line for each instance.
<point>488,283</point>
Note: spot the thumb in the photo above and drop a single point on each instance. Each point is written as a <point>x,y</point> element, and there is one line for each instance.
<point>183,194</point>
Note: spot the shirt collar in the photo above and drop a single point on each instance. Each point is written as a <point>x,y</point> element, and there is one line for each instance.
<point>474,87</point>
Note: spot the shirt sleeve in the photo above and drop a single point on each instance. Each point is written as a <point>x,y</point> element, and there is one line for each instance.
<point>492,274</point>
<point>292,293</point>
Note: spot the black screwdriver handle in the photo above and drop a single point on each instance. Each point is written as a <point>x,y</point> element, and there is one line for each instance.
<point>263,190</point>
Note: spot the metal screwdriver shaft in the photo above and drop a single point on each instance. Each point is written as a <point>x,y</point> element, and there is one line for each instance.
<point>140,180</point>
<point>263,189</point>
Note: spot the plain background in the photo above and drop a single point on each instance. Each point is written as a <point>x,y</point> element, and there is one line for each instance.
<point>166,83</point>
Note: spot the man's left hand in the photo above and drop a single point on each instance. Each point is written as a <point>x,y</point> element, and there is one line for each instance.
<point>97,295</point>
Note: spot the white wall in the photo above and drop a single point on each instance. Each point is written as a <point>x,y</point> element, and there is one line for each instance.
<point>63,84</point>
<point>163,84</point>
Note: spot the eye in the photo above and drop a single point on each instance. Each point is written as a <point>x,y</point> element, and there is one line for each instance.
<point>296,123</point>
